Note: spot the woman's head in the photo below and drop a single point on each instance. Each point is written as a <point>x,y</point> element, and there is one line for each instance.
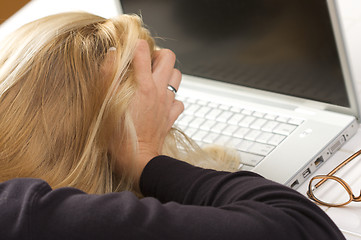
<point>64,92</point>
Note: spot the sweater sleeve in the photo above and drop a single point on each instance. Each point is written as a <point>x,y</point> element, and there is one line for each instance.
<point>241,205</point>
<point>183,202</point>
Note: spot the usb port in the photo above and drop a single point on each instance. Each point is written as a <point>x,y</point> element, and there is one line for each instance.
<point>306,173</point>
<point>318,161</point>
<point>294,184</point>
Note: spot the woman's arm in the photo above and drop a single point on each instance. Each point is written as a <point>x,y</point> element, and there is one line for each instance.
<point>154,108</point>
<point>243,205</point>
<point>187,203</point>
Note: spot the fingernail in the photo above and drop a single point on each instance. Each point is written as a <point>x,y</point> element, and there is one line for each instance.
<point>112,49</point>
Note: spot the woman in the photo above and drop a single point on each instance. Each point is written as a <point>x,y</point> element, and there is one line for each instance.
<point>62,99</point>
<point>86,112</point>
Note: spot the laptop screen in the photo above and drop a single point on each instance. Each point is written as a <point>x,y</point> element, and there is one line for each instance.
<point>283,46</point>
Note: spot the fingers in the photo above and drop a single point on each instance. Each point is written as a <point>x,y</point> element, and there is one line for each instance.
<point>142,64</point>
<point>176,109</point>
<point>155,77</point>
<point>161,71</point>
<point>163,67</point>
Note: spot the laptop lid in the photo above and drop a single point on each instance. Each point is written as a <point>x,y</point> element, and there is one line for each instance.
<point>285,55</point>
<point>286,49</point>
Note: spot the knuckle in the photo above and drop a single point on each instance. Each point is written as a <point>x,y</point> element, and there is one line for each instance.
<point>169,54</point>
<point>179,106</point>
<point>163,97</point>
<point>145,87</point>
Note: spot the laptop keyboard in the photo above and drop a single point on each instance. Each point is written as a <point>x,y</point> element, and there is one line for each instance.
<point>255,134</point>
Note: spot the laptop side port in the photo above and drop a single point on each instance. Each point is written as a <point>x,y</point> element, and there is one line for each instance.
<point>295,183</point>
<point>306,173</point>
<point>318,161</point>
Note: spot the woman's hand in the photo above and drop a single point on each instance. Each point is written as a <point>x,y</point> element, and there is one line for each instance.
<point>154,109</point>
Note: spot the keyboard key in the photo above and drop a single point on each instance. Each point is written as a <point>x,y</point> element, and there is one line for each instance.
<point>202,102</point>
<point>236,118</point>
<point>259,114</point>
<point>218,128</point>
<point>236,109</point>
<point>245,167</point>
<point>185,120</point>
<point>202,111</point>
<point>212,115</point>
<point>250,159</point>
<point>258,124</point>
<point>207,125</point>
<point>212,104</point>
<point>191,109</point>
<point>276,139</point>
<point>271,116</point>
<point>295,121</point>
<point>190,100</point>
<point>210,138</point>
<point>261,149</point>
<point>244,145</point>
<point>224,116</point>
<point>264,137</point>
<point>252,135</point>
<point>223,140</point>
<point>224,107</point>
<point>269,126</point>
<point>241,132</point>
<point>196,123</point>
<point>230,130</point>
<point>282,119</point>
<point>284,129</point>
<point>186,105</point>
<point>246,122</point>
<point>199,135</point>
<point>247,112</point>
<point>190,131</point>
<point>233,142</point>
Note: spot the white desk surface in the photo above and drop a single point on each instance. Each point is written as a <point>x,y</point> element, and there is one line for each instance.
<point>348,218</point>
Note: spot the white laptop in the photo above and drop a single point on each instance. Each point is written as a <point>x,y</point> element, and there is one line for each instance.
<point>269,78</point>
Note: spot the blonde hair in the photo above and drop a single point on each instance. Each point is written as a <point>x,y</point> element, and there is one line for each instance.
<point>59,109</point>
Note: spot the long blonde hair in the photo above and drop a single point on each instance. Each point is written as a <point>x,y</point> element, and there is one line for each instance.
<point>59,110</point>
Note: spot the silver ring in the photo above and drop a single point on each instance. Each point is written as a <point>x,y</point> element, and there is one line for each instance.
<point>171,88</point>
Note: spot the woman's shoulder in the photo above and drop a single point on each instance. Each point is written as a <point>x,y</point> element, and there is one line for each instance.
<point>16,199</point>
<point>18,187</point>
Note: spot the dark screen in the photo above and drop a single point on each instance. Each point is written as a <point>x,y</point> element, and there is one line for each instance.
<point>283,46</point>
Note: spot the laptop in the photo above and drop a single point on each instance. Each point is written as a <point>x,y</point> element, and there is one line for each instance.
<point>279,66</point>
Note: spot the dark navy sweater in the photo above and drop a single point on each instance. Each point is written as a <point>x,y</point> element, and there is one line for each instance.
<point>182,202</point>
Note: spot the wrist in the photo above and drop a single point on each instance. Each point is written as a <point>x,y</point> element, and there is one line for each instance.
<point>143,158</point>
